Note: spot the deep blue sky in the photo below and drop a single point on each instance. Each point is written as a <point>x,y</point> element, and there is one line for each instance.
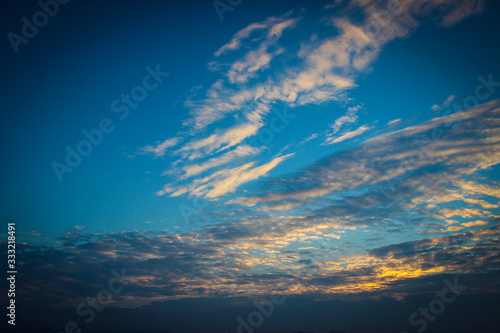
<point>382,182</point>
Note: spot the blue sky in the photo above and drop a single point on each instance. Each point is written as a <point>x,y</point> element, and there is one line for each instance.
<point>333,148</point>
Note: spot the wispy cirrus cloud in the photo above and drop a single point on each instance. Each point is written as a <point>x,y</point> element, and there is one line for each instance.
<point>240,151</point>
<point>445,104</point>
<point>348,135</point>
<point>257,72</point>
<point>160,148</point>
<point>224,181</point>
<point>349,118</point>
<point>237,40</point>
<point>471,144</point>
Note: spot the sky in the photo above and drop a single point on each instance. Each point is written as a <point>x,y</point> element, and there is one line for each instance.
<point>252,166</point>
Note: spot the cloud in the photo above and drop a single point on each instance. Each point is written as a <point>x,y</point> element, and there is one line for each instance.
<point>349,118</point>
<point>309,138</point>
<point>236,41</point>
<point>426,170</point>
<point>160,148</point>
<point>161,267</point>
<point>475,224</point>
<point>223,181</point>
<point>240,151</point>
<point>241,175</point>
<point>443,12</point>
<point>226,138</point>
<point>282,206</point>
<point>349,135</point>
<point>353,225</point>
<point>445,104</point>
<point>319,67</point>
<point>399,185</point>
<point>255,60</point>
<point>465,9</point>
